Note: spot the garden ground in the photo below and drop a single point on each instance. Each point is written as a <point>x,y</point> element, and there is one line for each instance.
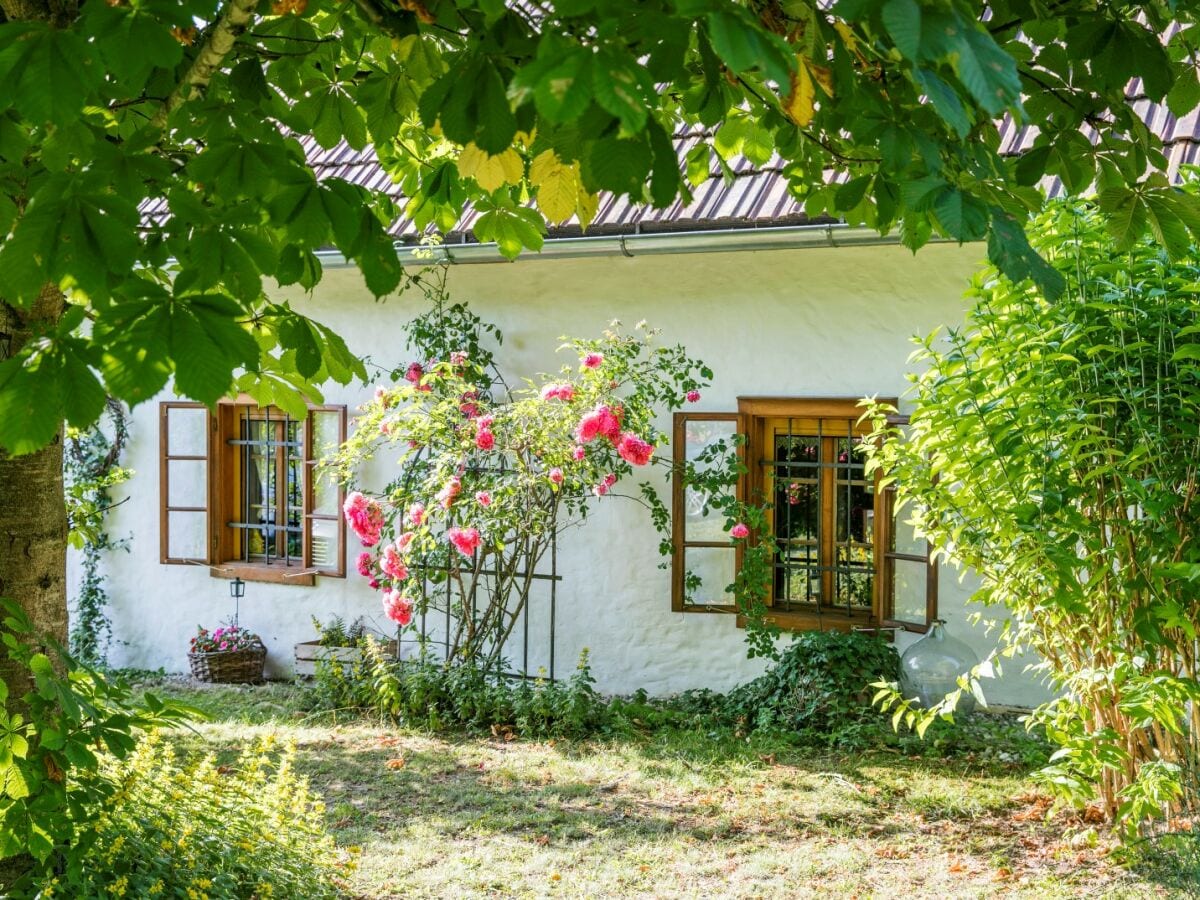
<point>673,813</point>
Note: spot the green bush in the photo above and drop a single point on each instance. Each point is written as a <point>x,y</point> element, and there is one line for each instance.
<point>428,694</point>
<point>54,738</point>
<point>818,685</point>
<point>196,829</point>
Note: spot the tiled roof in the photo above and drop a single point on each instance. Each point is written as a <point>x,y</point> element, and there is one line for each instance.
<point>753,197</point>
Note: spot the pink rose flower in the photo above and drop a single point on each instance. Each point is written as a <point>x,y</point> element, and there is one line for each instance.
<point>392,563</point>
<point>465,540</point>
<point>365,517</point>
<point>588,428</point>
<point>374,584</point>
<point>609,480</point>
<point>739,531</point>
<point>404,540</point>
<point>364,564</point>
<point>414,372</point>
<point>610,422</point>
<point>634,450</point>
<point>578,453</point>
<point>556,475</point>
<point>564,392</point>
<point>485,440</point>
<point>450,490</point>
<point>593,360</point>
<point>484,422</point>
<point>397,607</point>
<point>416,514</point>
<point>600,489</point>
<point>483,498</point>
<point>693,396</point>
<point>458,358</point>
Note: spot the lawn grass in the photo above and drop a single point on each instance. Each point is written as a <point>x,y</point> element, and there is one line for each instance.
<point>674,813</point>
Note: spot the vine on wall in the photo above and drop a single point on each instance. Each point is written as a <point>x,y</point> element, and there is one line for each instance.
<point>91,467</point>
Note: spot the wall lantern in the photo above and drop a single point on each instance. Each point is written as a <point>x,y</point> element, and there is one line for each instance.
<point>237,590</point>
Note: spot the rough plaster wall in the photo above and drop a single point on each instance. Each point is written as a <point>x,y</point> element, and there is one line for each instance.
<point>785,323</point>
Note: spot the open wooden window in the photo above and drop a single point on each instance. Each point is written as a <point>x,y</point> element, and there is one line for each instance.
<point>842,563</point>
<point>268,515</point>
<point>184,483</point>
<point>703,558</point>
<point>910,572</point>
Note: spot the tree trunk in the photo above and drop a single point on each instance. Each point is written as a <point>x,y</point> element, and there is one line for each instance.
<point>33,514</point>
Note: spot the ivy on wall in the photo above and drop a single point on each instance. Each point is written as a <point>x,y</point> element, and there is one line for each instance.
<point>91,468</point>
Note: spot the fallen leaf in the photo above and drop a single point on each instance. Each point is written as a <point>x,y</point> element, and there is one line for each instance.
<point>397,763</point>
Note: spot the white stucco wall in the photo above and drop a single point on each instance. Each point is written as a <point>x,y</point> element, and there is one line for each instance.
<point>813,322</point>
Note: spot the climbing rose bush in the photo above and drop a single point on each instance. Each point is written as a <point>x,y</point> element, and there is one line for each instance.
<point>489,474</point>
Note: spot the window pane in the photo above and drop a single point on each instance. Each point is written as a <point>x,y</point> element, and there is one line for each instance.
<point>187,482</point>
<point>708,571</point>
<point>325,492</point>
<point>908,585</point>
<point>326,431</point>
<point>854,578</point>
<point>324,543</point>
<point>904,538</point>
<point>706,444</point>
<point>187,534</point>
<point>796,495</point>
<point>187,432</point>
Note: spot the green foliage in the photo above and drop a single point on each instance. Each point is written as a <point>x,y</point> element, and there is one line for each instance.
<point>816,685</point>
<point>53,739</point>
<point>182,828</point>
<point>336,633</point>
<point>1053,449</point>
<point>424,693</point>
<point>495,105</point>
<point>91,468</point>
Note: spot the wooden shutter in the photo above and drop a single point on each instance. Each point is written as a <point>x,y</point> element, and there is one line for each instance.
<point>185,443</point>
<point>910,572</point>
<point>324,525</point>
<point>703,557</point>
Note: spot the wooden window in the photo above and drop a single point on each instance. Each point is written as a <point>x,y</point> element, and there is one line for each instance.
<point>910,572</point>
<point>184,483</point>
<point>268,514</point>
<point>842,563</point>
<point>703,559</point>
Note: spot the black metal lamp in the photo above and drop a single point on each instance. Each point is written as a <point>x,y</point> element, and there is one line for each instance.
<point>237,590</point>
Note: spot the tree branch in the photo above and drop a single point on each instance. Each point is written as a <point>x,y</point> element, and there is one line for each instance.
<point>234,20</point>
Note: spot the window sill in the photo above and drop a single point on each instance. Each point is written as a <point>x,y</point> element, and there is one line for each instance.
<point>802,621</point>
<point>261,572</point>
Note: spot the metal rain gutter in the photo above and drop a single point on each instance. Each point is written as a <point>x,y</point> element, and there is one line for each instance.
<point>726,240</point>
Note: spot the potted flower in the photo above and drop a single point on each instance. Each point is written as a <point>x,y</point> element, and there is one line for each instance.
<point>228,655</point>
<point>336,641</point>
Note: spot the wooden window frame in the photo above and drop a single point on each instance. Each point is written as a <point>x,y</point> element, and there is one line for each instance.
<point>890,558</point>
<point>756,413</point>
<point>750,420</point>
<point>679,543</point>
<point>222,492</point>
<point>165,458</point>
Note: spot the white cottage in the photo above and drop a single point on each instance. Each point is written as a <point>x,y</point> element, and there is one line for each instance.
<point>798,321</point>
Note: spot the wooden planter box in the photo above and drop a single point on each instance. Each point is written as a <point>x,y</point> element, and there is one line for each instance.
<point>308,652</point>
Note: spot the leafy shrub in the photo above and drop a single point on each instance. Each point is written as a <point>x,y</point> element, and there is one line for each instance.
<point>1052,450</point>
<point>51,741</point>
<point>336,633</point>
<point>817,687</point>
<point>427,694</point>
<point>183,829</point>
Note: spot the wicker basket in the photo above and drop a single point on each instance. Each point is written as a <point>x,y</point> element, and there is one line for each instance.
<point>230,666</point>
